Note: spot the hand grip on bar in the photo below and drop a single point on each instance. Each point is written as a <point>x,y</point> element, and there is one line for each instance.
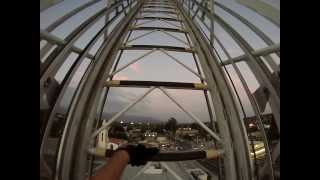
<point>167,156</point>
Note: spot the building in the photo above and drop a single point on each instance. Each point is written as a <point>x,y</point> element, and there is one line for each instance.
<point>103,137</point>
<point>187,131</point>
<point>135,134</point>
<point>105,142</point>
<point>114,143</point>
<point>148,135</point>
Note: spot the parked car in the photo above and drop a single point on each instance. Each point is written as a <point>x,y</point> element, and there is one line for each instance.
<point>198,174</point>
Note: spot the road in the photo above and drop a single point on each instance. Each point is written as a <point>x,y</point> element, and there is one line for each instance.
<point>130,172</point>
<point>178,167</point>
<point>210,166</point>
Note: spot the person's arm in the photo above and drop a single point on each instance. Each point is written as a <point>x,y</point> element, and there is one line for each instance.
<point>136,155</point>
<point>114,167</point>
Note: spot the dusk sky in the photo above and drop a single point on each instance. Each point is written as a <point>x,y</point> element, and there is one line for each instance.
<point>158,66</point>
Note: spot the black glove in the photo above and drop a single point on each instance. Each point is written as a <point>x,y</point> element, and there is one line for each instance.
<point>139,154</point>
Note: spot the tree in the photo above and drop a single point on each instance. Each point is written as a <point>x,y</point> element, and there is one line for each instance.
<point>187,137</point>
<point>171,125</point>
<point>117,131</point>
<point>202,132</point>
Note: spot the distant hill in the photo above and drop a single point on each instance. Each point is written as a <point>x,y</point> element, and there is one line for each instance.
<point>126,118</point>
<point>135,118</point>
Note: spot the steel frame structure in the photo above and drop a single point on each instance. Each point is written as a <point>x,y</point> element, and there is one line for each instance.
<point>72,160</point>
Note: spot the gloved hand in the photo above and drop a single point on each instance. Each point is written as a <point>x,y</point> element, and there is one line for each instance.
<point>138,154</point>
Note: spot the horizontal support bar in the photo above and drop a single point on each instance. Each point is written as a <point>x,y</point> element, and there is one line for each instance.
<point>160,7</point>
<point>150,47</point>
<point>61,20</point>
<point>261,52</point>
<point>167,156</point>
<point>158,11</point>
<point>158,18</point>
<point>146,84</point>
<point>159,3</point>
<point>51,38</point>
<point>56,40</point>
<point>159,28</point>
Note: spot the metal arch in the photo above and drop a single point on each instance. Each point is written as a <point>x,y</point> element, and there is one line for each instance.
<point>54,61</point>
<point>224,102</point>
<point>46,5</point>
<point>236,36</point>
<point>68,77</point>
<point>256,69</point>
<point>265,10</point>
<point>255,169</point>
<point>276,113</point>
<point>255,107</point>
<point>261,52</point>
<point>225,108</point>
<point>254,28</point>
<point>242,42</point>
<point>80,117</point>
<point>255,66</point>
<point>62,19</point>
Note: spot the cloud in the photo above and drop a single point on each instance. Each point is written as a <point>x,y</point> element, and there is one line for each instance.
<point>120,77</point>
<point>135,67</point>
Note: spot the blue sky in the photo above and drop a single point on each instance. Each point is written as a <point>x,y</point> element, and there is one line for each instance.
<point>157,66</point>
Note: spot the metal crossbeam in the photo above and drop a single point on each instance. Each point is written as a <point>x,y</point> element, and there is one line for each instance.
<point>132,62</point>
<point>174,37</point>
<point>158,18</point>
<point>159,28</point>
<point>160,7</point>
<point>150,47</point>
<point>158,11</point>
<point>56,40</point>
<point>148,84</point>
<point>261,52</point>
<point>172,24</point>
<point>144,23</point>
<point>150,52</point>
<point>140,36</point>
<point>179,62</point>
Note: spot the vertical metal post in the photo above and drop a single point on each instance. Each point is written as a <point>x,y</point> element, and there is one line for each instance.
<point>226,112</point>
<point>254,106</point>
<point>109,2</point>
<point>212,23</point>
<point>83,112</point>
<point>104,100</point>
